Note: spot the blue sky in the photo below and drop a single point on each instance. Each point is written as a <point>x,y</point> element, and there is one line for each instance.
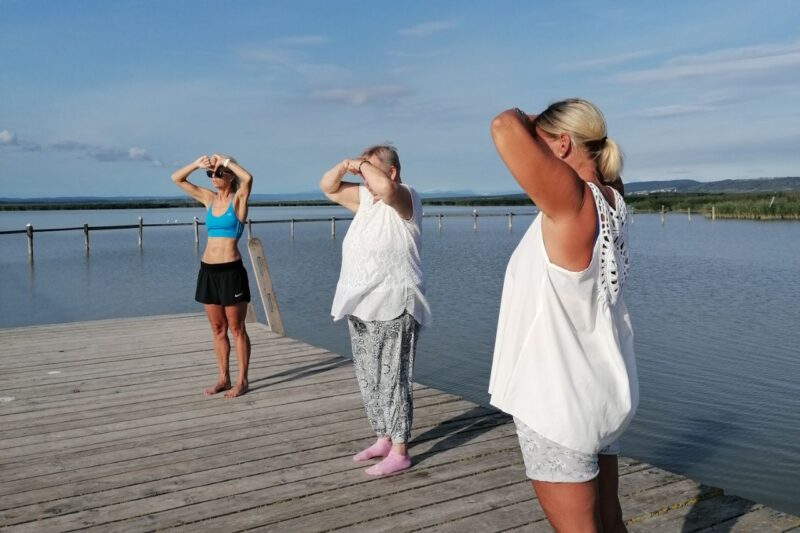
<point>104,98</point>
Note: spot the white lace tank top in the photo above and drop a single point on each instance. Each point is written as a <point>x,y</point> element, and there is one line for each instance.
<point>381,274</point>
<point>563,358</point>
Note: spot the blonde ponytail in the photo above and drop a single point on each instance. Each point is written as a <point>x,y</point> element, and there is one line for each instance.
<point>609,162</point>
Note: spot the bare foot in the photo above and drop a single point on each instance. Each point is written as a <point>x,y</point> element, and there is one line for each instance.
<point>219,386</point>
<point>238,390</point>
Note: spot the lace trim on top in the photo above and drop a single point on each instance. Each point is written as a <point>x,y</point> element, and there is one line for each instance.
<point>612,235</point>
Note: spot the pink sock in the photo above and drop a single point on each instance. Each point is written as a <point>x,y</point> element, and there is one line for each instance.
<point>394,462</point>
<point>380,448</point>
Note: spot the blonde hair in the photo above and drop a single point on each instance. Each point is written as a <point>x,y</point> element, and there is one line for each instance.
<point>586,127</point>
<point>234,177</point>
<point>386,153</point>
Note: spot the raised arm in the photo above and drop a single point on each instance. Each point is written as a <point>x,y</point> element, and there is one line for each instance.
<point>535,161</point>
<point>180,177</point>
<point>552,184</point>
<point>386,189</point>
<point>342,192</point>
<point>245,184</point>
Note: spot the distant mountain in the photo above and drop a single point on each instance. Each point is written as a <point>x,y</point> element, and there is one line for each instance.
<point>733,186</point>
<point>633,187</point>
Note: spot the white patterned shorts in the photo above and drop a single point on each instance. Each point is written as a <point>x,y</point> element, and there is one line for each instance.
<point>546,460</point>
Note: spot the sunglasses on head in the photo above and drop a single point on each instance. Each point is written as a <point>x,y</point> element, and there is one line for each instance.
<point>216,173</point>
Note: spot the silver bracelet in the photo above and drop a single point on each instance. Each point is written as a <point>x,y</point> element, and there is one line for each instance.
<point>225,163</point>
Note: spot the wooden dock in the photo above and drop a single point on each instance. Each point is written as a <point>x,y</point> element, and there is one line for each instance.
<point>104,428</point>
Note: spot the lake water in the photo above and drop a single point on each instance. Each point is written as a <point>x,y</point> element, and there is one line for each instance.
<point>714,307</point>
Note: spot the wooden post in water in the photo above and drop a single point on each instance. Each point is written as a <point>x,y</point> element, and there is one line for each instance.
<point>196,231</point>
<point>265,289</point>
<point>86,238</point>
<point>689,213</point>
<point>291,227</point>
<point>633,215</point>
<point>333,227</point>
<point>29,231</point>
<point>249,228</point>
<point>713,213</point>
<point>140,231</point>
<point>662,215</point>
<point>474,220</point>
<point>440,222</point>
<point>510,223</point>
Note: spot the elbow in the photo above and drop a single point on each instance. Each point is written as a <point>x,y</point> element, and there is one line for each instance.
<point>501,124</point>
<point>325,187</point>
<point>176,178</point>
<point>386,191</point>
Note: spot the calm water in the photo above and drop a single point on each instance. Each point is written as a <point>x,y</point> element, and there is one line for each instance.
<point>714,306</point>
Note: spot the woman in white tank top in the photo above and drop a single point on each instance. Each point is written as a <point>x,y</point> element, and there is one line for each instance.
<point>563,362</point>
<point>381,292</point>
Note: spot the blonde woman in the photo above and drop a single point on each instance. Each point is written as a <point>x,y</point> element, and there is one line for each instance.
<point>381,291</point>
<point>222,284</point>
<point>563,360</point>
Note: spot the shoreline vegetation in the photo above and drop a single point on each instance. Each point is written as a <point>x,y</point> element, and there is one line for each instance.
<point>784,205</point>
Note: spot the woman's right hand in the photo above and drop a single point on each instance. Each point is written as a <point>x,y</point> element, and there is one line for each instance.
<point>203,162</point>
<point>351,166</point>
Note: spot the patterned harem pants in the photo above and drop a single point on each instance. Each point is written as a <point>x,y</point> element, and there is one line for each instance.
<point>383,357</point>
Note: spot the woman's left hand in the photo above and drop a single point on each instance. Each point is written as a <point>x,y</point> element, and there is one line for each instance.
<point>217,161</point>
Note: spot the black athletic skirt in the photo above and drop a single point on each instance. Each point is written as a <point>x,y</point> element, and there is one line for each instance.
<point>222,284</point>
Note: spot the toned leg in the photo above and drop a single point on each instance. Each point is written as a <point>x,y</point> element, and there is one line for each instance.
<point>235,315</point>
<point>608,499</point>
<point>222,347</point>
<point>569,507</point>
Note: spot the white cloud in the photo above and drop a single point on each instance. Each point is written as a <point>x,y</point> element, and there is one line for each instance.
<point>302,40</point>
<point>138,154</point>
<point>361,95</point>
<point>673,110</point>
<point>282,58</point>
<point>427,28</point>
<point>737,62</point>
<point>607,61</point>
<point>8,138</point>
<point>105,154</point>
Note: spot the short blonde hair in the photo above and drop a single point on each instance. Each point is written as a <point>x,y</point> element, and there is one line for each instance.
<point>586,127</point>
<point>386,153</point>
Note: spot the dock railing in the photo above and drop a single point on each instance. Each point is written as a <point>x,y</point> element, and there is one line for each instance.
<point>30,230</point>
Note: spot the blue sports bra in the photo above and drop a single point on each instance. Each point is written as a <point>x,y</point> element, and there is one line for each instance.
<point>225,225</point>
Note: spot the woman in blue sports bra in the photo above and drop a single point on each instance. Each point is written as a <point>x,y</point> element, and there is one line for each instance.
<point>222,284</point>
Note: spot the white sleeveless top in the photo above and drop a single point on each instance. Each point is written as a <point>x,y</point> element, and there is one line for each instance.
<point>563,358</point>
<point>381,274</point>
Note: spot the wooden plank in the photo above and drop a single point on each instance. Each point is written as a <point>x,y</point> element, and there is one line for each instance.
<point>122,378</point>
<point>708,508</point>
<point>316,473</point>
<point>153,452</point>
<point>270,507</point>
<point>477,497</point>
<point>484,479</point>
<point>525,514</point>
<point>121,439</point>
<point>323,370</point>
<point>264,283</point>
<point>505,514</point>
<point>760,518</point>
<point>257,456</point>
